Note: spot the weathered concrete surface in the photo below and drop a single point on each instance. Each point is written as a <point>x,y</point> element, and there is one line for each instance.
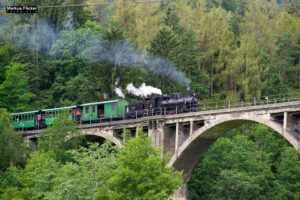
<point>181,193</point>
<point>188,136</point>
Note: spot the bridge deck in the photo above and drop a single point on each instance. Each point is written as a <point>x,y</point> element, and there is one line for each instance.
<point>143,120</point>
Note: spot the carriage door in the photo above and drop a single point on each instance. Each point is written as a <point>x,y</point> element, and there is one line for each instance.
<point>100,113</point>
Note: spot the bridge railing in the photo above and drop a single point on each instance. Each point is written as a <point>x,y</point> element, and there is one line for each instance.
<point>235,103</point>
<point>225,104</point>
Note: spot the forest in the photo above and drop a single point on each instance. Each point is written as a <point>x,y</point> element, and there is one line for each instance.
<point>221,49</point>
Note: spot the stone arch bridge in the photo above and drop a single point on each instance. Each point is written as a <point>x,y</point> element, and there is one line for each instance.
<point>188,136</point>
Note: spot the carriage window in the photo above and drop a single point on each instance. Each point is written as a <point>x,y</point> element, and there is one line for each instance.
<point>87,109</point>
<point>53,114</point>
<point>94,109</point>
<point>113,106</point>
<point>46,115</point>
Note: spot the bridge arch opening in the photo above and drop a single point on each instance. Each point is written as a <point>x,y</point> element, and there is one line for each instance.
<point>91,138</point>
<point>193,149</point>
<point>235,165</point>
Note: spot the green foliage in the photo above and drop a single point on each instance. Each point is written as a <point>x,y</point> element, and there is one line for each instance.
<point>233,184</point>
<point>12,148</point>
<point>247,167</point>
<point>137,171</point>
<point>57,16</point>
<point>14,91</point>
<point>286,61</point>
<point>81,178</point>
<point>140,173</point>
<point>289,172</point>
<point>63,135</point>
<point>39,174</point>
<point>275,85</point>
<point>6,52</point>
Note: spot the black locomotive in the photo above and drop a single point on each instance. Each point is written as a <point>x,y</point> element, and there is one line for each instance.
<point>162,105</point>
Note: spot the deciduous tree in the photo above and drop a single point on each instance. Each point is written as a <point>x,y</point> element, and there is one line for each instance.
<point>140,173</point>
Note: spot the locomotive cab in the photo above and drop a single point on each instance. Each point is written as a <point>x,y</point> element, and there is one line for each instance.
<point>176,96</point>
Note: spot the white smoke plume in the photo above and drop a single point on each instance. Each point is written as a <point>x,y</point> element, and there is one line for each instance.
<point>118,91</point>
<point>143,90</point>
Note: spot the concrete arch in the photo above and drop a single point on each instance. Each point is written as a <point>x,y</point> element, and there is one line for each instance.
<point>192,150</point>
<point>104,133</point>
<point>114,140</point>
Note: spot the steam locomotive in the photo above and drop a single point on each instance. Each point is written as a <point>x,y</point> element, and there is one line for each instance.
<point>162,105</point>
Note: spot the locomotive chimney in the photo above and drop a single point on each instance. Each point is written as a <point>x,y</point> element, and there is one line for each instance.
<point>189,92</point>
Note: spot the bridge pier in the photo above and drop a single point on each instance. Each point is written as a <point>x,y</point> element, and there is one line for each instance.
<point>181,193</point>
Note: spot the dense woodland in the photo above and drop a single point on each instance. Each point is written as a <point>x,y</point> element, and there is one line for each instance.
<point>221,49</point>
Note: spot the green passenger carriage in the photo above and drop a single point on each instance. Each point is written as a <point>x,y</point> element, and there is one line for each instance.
<point>96,111</point>
<point>103,110</point>
<point>24,120</point>
<point>51,114</point>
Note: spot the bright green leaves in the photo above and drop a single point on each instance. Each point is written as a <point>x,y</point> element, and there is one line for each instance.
<point>14,91</point>
<point>140,173</point>
<point>63,135</point>
<point>136,171</point>
<point>39,174</point>
<point>81,179</point>
<point>12,149</point>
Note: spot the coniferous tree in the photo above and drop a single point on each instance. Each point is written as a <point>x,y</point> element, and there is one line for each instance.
<point>286,60</point>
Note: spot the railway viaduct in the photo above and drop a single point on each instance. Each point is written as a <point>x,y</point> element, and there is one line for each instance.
<point>188,136</point>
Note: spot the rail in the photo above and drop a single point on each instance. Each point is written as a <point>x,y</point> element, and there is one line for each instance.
<point>236,103</point>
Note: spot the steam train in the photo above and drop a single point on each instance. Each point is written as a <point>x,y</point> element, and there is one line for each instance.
<point>162,105</point>
<point>108,110</point>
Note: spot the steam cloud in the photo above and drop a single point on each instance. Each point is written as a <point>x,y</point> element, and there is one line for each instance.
<point>89,46</point>
<point>143,90</point>
<point>118,90</point>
